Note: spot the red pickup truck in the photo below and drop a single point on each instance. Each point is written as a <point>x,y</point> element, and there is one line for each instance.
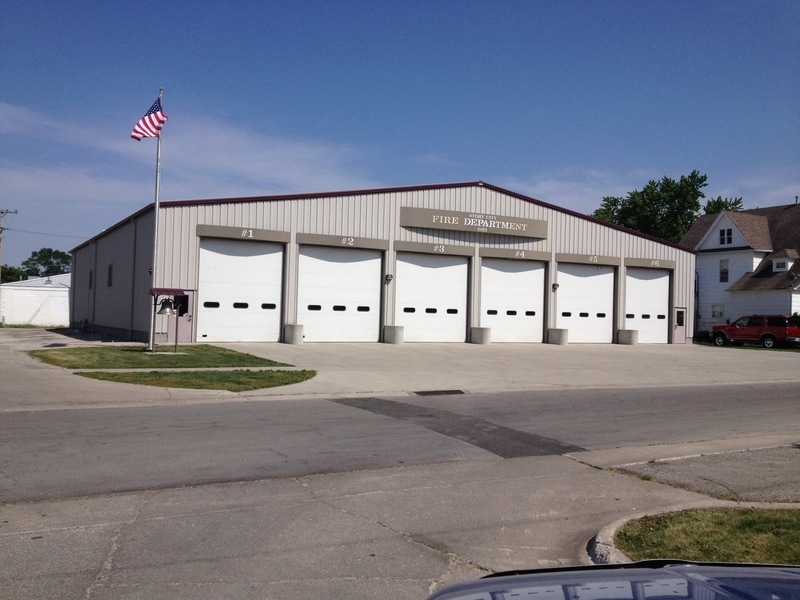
<point>766,330</point>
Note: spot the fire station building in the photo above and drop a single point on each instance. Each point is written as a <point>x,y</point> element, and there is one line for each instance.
<point>462,262</point>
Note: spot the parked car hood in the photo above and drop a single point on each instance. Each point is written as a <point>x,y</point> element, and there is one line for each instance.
<point>646,580</point>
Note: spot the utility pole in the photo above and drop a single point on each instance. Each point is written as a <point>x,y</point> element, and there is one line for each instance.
<point>3,213</point>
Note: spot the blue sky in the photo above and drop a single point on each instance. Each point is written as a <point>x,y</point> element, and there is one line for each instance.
<point>566,101</point>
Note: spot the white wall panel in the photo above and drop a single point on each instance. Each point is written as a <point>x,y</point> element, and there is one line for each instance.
<point>512,299</point>
<point>647,304</point>
<point>339,294</point>
<point>431,297</point>
<point>585,303</point>
<point>239,292</point>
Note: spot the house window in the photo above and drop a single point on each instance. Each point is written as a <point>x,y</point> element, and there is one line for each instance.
<point>717,310</point>
<point>780,265</point>
<point>110,274</point>
<point>723,270</point>
<point>725,236</point>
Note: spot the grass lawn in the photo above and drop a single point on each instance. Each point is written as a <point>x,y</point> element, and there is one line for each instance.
<point>137,357</point>
<point>246,371</point>
<point>234,381</point>
<point>715,535</point>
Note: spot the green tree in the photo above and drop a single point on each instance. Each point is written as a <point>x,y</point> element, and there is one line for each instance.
<point>8,274</point>
<point>718,204</point>
<point>664,209</point>
<point>47,261</point>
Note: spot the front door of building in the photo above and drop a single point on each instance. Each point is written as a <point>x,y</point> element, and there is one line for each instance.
<point>680,326</point>
<point>180,324</point>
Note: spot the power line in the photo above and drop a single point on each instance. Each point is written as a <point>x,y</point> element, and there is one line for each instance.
<point>74,237</point>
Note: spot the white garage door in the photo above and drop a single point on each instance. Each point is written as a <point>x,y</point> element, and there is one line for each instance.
<point>585,303</point>
<point>339,294</point>
<point>431,297</point>
<point>647,304</point>
<point>239,291</point>
<point>512,299</point>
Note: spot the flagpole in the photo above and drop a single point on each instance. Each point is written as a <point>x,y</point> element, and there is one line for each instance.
<point>151,342</point>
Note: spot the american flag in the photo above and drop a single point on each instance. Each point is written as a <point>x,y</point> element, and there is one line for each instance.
<point>151,123</point>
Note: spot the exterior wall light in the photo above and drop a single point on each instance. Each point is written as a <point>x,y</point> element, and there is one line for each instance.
<point>555,287</point>
<point>389,277</point>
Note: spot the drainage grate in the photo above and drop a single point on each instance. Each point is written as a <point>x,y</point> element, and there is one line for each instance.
<point>439,392</point>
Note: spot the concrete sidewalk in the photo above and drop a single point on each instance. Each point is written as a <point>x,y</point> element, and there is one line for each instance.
<point>387,370</point>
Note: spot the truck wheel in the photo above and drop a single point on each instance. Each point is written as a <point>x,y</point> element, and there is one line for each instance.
<point>768,341</point>
<point>719,339</point>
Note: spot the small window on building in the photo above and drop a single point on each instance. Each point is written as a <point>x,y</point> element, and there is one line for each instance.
<point>314,307</point>
<point>363,309</point>
<point>240,305</point>
<point>601,315</point>
<point>431,311</point>
<point>452,311</point>
<point>110,275</point>
<point>210,304</point>
<point>566,314</point>
<point>339,308</point>
<point>723,270</point>
<point>530,313</point>
<point>409,309</point>
<point>781,265</point>
<point>511,313</point>
<point>717,310</point>
<point>725,237</point>
<point>661,317</point>
<point>630,316</point>
<point>645,316</point>
<point>491,311</point>
<point>269,306</point>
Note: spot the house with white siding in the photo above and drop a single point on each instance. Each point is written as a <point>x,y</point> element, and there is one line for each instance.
<point>748,262</point>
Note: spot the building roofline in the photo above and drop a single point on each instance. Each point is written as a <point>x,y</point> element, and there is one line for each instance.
<point>380,190</point>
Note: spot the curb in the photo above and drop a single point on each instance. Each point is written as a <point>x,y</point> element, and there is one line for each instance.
<point>601,549</point>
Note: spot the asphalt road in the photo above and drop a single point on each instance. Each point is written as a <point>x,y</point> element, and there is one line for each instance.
<point>350,485</point>
<point>68,453</point>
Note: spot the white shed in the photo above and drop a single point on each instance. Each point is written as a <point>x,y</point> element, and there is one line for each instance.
<point>40,301</point>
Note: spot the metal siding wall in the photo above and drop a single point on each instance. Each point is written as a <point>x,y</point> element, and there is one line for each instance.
<point>376,216</point>
<point>79,288</point>
<point>113,304</point>
<point>143,262</point>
